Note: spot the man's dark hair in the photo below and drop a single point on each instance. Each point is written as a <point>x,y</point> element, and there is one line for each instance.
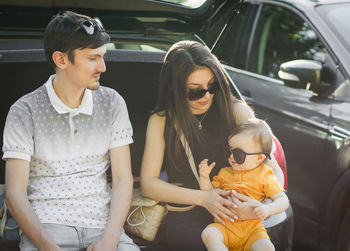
<point>63,34</point>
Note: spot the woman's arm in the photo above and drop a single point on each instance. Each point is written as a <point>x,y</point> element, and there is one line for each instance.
<point>157,189</point>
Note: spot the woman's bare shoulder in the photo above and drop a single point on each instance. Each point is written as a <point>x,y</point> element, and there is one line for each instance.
<point>157,118</point>
<point>156,122</point>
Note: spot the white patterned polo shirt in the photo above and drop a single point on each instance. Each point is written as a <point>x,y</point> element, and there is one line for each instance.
<point>68,150</point>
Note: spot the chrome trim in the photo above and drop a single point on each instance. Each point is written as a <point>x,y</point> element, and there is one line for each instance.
<point>339,132</point>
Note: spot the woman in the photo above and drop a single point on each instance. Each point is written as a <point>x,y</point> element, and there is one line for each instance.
<point>195,96</point>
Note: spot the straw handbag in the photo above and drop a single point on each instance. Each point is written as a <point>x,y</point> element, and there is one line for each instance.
<point>146,215</point>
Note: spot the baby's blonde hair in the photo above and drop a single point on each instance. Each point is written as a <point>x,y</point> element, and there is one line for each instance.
<point>260,131</point>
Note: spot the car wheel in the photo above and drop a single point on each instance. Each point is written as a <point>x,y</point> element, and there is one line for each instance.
<point>343,238</point>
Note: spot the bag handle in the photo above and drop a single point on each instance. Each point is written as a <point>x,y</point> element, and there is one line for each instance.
<point>188,152</point>
<point>193,168</point>
<point>132,212</point>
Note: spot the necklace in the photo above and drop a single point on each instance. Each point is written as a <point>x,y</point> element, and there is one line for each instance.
<point>200,121</point>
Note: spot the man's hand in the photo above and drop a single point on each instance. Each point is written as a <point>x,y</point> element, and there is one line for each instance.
<point>262,211</point>
<point>103,244</point>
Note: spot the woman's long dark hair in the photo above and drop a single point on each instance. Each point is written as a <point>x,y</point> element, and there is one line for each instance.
<point>181,60</point>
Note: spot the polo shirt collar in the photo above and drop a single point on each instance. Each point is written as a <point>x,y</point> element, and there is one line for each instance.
<point>85,107</point>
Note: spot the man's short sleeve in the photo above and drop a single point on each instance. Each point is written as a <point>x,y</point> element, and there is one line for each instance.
<point>18,133</point>
<point>121,126</point>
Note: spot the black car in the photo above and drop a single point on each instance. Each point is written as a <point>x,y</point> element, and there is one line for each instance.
<point>141,32</point>
<point>291,60</point>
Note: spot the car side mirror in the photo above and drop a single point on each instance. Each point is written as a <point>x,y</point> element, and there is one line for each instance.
<point>301,73</point>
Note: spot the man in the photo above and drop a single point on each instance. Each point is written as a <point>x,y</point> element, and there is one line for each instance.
<point>59,141</point>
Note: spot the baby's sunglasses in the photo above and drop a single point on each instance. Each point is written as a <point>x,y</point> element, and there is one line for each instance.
<point>89,26</point>
<point>195,94</point>
<point>239,155</point>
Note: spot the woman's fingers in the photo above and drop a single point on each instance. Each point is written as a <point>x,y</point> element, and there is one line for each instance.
<point>221,217</point>
<point>228,214</point>
<point>218,218</point>
<point>217,205</point>
<point>222,193</point>
<point>225,206</point>
<point>241,197</point>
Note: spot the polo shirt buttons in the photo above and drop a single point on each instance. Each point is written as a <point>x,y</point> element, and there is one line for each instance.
<point>73,130</point>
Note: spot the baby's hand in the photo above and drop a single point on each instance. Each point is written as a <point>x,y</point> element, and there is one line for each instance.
<point>204,169</point>
<point>262,211</point>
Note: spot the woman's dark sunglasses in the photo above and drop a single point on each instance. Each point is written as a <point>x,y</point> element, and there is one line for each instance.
<point>239,155</point>
<point>89,26</point>
<point>194,94</point>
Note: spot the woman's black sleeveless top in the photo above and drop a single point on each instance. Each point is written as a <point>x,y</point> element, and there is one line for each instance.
<point>213,150</point>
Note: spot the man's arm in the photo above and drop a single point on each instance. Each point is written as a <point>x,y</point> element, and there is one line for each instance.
<point>122,184</point>
<point>16,179</point>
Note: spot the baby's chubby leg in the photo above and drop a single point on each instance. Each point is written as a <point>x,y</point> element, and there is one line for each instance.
<point>213,239</point>
<point>262,245</point>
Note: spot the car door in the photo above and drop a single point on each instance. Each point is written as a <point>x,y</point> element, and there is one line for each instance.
<point>253,46</point>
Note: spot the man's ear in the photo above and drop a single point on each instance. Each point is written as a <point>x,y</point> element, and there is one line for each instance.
<point>60,59</point>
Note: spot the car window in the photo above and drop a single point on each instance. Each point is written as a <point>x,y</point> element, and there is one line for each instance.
<point>232,47</point>
<point>281,36</point>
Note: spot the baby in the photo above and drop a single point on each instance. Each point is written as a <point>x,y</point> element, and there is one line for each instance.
<point>249,145</point>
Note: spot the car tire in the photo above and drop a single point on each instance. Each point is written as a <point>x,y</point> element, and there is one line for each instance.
<point>343,237</point>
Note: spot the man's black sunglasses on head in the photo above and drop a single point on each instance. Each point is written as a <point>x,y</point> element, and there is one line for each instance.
<point>89,26</point>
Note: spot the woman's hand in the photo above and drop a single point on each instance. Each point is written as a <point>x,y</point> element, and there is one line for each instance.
<point>245,209</point>
<point>217,204</point>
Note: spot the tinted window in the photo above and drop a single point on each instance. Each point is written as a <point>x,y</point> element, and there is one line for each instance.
<point>216,26</point>
<point>281,36</point>
<point>232,49</point>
